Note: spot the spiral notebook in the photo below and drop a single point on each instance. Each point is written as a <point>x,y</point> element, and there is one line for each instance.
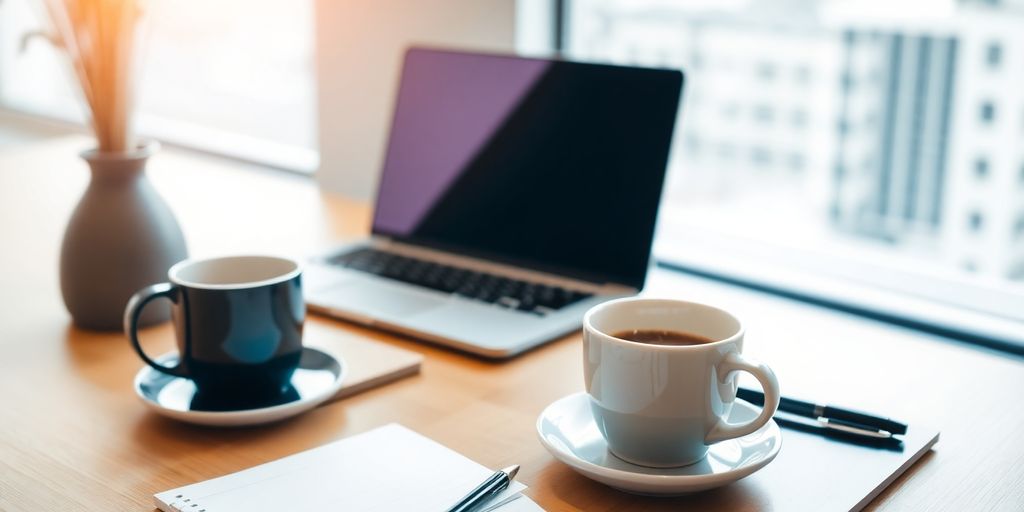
<point>385,469</point>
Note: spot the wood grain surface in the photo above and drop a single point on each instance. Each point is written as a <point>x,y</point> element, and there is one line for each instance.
<point>74,437</point>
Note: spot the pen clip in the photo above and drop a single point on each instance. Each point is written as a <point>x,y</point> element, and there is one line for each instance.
<point>852,428</point>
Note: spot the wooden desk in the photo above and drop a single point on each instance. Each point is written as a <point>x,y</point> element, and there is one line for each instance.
<point>74,437</point>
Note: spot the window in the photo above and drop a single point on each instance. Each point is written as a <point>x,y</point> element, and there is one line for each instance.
<point>233,76</point>
<point>843,127</point>
<point>993,55</point>
<point>761,157</point>
<point>981,168</point>
<point>764,114</point>
<point>864,192</point>
<point>976,221</point>
<point>796,162</point>
<point>847,82</point>
<point>726,151</point>
<point>730,110</point>
<point>766,72</point>
<point>987,112</point>
<point>803,74</point>
<point>799,118</point>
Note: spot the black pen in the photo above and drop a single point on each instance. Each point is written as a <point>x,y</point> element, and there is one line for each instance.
<point>794,422</point>
<point>483,492</point>
<point>839,418</point>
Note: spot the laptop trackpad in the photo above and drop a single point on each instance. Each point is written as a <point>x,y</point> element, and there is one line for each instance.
<point>382,299</point>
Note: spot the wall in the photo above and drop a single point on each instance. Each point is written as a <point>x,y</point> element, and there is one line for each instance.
<point>360,44</point>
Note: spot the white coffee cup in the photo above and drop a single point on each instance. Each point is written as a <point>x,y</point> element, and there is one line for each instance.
<point>663,405</point>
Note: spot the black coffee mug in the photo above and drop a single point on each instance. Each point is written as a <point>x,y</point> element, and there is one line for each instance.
<point>238,322</point>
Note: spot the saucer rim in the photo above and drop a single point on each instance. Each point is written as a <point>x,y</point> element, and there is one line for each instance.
<point>696,482</point>
<point>239,416</point>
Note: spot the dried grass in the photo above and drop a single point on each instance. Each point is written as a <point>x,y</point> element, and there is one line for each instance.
<point>101,38</point>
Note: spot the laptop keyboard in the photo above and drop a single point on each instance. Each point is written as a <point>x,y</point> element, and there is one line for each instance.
<point>493,289</point>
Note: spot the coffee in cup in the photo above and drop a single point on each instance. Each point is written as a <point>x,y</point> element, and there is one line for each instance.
<point>661,376</point>
<point>663,337</point>
<point>238,322</point>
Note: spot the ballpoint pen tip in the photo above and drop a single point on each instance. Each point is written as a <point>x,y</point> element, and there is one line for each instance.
<point>511,471</point>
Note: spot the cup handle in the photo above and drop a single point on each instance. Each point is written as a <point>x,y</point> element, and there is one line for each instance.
<point>131,322</point>
<point>734,362</point>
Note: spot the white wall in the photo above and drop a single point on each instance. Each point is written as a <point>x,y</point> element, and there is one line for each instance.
<point>360,44</point>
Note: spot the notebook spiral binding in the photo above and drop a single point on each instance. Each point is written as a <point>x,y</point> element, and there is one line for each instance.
<point>185,504</point>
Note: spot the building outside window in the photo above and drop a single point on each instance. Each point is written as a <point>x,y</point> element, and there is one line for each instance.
<point>890,143</point>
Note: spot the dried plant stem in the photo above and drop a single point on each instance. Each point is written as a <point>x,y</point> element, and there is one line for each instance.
<point>99,37</point>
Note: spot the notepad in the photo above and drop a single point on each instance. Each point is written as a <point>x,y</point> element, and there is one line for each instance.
<point>386,469</point>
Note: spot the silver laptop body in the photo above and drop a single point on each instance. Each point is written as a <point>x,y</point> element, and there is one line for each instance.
<point>489,329</point>
<point>486,235</point>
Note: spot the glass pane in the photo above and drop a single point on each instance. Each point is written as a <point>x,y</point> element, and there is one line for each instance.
<point>874,140</point>
<point>240,69</point>
<point>242,66</point>
<point>32,74</point>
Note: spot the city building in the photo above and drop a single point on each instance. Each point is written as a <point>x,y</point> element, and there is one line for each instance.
<point>985,197</point>
<point>929,138</point>
<point>897,92</point>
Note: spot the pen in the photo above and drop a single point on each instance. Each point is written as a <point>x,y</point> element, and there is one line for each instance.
<point>793,422</point>
<point>483,492</point>
<point>839,418</point>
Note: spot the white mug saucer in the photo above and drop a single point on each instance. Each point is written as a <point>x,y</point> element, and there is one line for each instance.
<point>318,377</point>
<point>567,429</point>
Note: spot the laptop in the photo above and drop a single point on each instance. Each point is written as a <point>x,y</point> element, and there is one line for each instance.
<point>515,194</point>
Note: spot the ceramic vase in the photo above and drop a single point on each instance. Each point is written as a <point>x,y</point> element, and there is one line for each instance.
<point>121,237</point>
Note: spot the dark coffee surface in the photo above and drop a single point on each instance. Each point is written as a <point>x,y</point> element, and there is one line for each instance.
<point>663,337</point>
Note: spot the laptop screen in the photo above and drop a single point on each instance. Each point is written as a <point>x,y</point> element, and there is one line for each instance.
<point>550,165</point>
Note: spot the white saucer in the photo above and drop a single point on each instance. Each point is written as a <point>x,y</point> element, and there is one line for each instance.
<point>567,429</point>
<point>318,378</point>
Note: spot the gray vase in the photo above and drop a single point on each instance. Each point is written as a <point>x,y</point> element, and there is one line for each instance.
<point>121,238</point>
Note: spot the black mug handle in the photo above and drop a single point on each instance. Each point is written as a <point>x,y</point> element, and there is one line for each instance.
<point>131,323</point>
